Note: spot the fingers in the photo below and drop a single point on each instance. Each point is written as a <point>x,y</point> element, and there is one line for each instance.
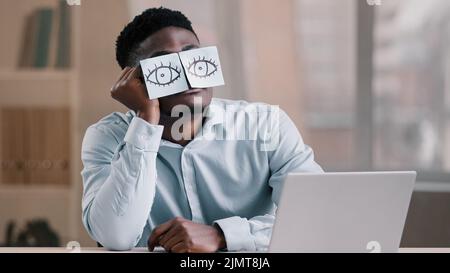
<point>179,248</point>
<point>129,72</point>
<point>157,232</point>
<point>172,237</point>
<point>136,73</point>
<point>174,240</point>
<point>174,230</point>
<point>124,73</point>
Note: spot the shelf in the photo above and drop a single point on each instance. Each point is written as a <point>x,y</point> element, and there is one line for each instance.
<point>30,188</point>
<point>24,204</point>
<point>80,88</point>
<point>44,88</point>
<point>36,74</point>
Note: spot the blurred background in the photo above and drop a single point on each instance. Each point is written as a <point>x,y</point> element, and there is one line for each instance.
<point>367,85</point>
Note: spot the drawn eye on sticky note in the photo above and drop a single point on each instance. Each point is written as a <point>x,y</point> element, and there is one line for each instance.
<point>163,75</point>
<point>202,67</point>
<point>174,73</point>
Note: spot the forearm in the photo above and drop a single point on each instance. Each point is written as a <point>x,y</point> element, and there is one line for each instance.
<point>121,207</point>
<point>118,196</point>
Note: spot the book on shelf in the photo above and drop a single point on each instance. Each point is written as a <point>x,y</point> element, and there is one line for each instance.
<point>46,38</point>
<point>43,35</point>
<point>63,56</point>
<point>28,41</point>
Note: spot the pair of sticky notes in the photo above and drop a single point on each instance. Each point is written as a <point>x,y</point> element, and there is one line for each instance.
<point>177,72</point>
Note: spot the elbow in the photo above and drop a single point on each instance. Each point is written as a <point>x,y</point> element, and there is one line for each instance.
<point>117,243</point>
<point>113,236</point>
<point>117,240</point>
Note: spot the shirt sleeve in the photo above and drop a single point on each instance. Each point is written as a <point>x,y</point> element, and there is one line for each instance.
<point>289,154</point>
<point>119,181</point>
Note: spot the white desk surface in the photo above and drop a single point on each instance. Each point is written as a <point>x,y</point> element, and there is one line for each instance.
<point>144,250</point>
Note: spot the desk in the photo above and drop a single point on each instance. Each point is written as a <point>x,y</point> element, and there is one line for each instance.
<point>144,250</point>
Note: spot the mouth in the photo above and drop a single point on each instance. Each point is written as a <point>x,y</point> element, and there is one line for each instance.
<point>193,91</point>
<point>190,92</point>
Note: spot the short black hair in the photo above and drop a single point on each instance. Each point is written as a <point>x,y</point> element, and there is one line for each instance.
<point>144,25</point>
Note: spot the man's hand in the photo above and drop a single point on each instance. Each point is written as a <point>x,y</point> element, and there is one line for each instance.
<point>180,236</point>
<point>130,91</point>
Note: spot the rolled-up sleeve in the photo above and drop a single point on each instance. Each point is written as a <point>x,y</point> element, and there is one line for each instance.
<point>119,181</point>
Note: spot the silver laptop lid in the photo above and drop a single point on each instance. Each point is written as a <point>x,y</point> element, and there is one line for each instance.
<point>342,212</point>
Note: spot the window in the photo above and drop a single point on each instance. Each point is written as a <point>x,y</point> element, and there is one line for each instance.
<point>326,48</point>
<point>408,92</point>
<point>411,85</point>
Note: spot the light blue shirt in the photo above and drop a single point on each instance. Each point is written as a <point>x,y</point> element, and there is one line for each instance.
<point>134,180</point>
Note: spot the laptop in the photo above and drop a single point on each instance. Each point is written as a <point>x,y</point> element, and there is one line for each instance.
<point>342,212</point>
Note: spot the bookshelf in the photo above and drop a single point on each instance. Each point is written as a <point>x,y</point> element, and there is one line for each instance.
<point>82,89</point>
<point>38,114</point>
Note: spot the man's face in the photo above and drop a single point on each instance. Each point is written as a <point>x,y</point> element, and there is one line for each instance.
<point>172,40</point>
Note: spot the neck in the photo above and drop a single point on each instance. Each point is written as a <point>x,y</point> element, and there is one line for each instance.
<point>186,127</point>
